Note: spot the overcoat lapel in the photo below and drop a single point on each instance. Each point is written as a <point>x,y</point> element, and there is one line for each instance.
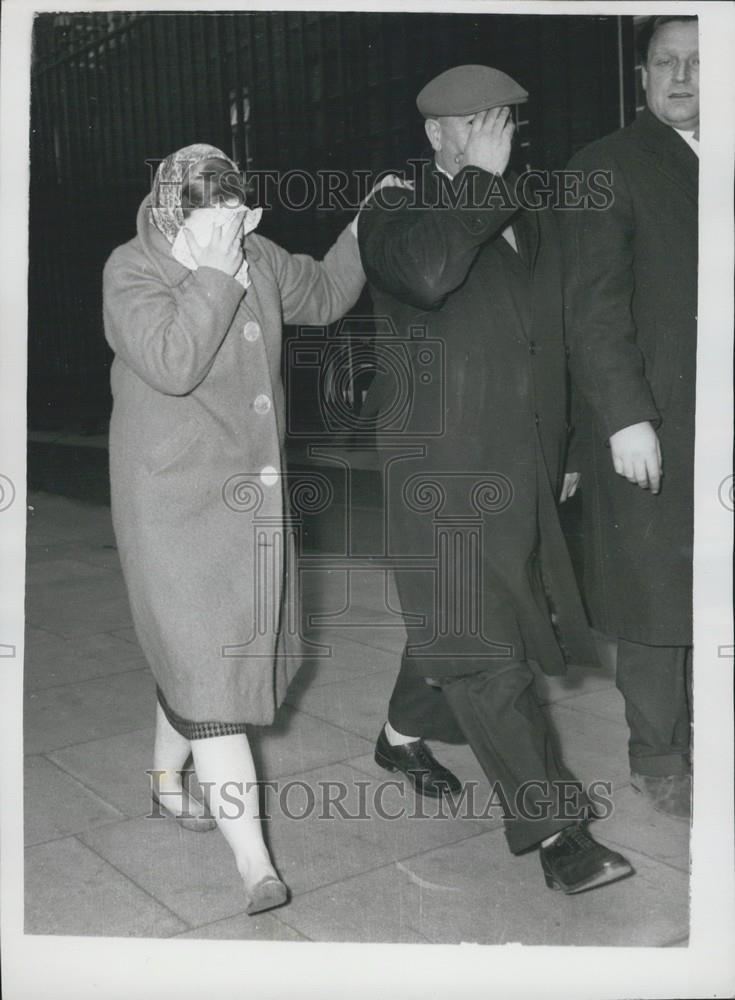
<point>671,155</point>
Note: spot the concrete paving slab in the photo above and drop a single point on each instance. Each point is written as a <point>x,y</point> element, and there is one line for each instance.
<point>95,552</point>
<point>593,748</point>
<point>114,767</point>
<point>89,710</point>
<point>476,891</point>
<point>333,589</point>
<point>241,927</point>
<point>577,681</point>
<point>56,805</point>
<point>315,843</point>
<point>54,519</point>
<point>604,704</point>
<point>127,634</point>
<point>339,659</point>
<point>51,660</point>
<point>635,824</point>
<point>192,874</point>
<point>298,742</point>
<point>71,890</point>
<point>391,638</point>
<point>358,703</point>
<point>79,607</point>
<point>60,571</point>
<point>367,908</point>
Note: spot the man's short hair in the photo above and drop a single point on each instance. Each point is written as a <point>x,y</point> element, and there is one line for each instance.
<point>649,27</point>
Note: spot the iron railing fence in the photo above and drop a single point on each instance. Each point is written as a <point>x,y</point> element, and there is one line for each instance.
<point>279,91</point>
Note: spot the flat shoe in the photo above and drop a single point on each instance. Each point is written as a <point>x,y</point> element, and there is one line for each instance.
<point>266,894</point>
<point>195,824</point>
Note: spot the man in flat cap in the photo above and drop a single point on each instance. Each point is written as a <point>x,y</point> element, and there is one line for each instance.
<point>473,288</point>
<point>632,331</point>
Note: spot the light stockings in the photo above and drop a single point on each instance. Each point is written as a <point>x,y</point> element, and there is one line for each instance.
<point>222,764</point>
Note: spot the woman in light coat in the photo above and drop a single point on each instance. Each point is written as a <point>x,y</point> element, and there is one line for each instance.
<point>193,309</point>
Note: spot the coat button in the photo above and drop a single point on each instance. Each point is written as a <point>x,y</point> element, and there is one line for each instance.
<point>536,419</point>
<point>251,330</point>
<point>531,347</point>
<point>268,475</point>
<point>262,403</point>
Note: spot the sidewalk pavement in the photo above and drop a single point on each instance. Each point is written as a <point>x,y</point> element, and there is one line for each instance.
<point>96,865</point>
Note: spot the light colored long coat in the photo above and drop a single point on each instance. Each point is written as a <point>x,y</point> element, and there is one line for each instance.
<point>196,441</point>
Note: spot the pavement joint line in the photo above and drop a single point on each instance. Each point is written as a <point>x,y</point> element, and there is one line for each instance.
<point>595,715</point>
<point>347,678</point>
<point>79,781</point>
<point>91,680</point>
<point>282,919</point>
<point>106,861</point>
<point>319,718</point>
<point>94,739</point>
<point>385,865</point>
<point>651,857</point>
<point>374,645</point>
<point>40,628</point>
<point>147,892</point>
<point>77,833</point>
<point>219,920</point>
<point>96,677</point>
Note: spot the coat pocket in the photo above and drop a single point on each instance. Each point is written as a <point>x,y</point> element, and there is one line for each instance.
<point>175,446</point>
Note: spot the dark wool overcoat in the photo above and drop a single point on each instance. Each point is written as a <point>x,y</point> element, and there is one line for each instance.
<point>631,295</point>
<point>472,429</point>
<point>196,441</point>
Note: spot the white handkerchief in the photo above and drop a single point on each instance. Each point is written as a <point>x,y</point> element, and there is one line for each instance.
<point>182,253</point>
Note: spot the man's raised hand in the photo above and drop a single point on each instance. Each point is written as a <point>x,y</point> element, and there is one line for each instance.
<point>490,140</point>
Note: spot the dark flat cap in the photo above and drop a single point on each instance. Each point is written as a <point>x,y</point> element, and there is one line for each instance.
<point>464,90</point>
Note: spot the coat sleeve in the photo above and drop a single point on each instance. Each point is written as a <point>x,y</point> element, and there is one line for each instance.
<point>168,337</point>
<point>605,361</point>
<point>419,253</point>
<point>313,291</point>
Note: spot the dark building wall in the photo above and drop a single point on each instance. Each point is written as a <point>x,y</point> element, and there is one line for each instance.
<point>324,91</point>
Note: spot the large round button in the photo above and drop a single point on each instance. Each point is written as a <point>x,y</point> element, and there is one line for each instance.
<point>268,475</point>
<point>251,330</point>
<point>262,403</point>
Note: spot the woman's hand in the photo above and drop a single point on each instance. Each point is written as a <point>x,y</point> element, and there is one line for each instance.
<point>224,251</point>
<point>390,180</point>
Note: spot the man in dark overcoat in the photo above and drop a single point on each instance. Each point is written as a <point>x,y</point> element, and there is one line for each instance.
<point>631,295</point>
<point>473,443</point>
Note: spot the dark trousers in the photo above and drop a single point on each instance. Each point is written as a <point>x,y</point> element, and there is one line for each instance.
<point>655,682</point>
<point>496,711</point>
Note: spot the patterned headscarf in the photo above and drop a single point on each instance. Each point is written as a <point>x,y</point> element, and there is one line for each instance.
<point>166,212</point>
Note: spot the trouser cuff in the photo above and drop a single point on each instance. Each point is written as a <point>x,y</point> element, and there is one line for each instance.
<point>661,765</point>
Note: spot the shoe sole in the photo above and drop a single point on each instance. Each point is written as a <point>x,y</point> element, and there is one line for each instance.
<point>602,878</point>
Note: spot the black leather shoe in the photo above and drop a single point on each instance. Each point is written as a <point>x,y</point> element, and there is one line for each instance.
<point>575,862</point>
<point>670,794</point>
<point>417,762</point>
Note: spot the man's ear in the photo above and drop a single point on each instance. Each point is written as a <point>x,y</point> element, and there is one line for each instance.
<point>644,77</point>
<point>434,133</point>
